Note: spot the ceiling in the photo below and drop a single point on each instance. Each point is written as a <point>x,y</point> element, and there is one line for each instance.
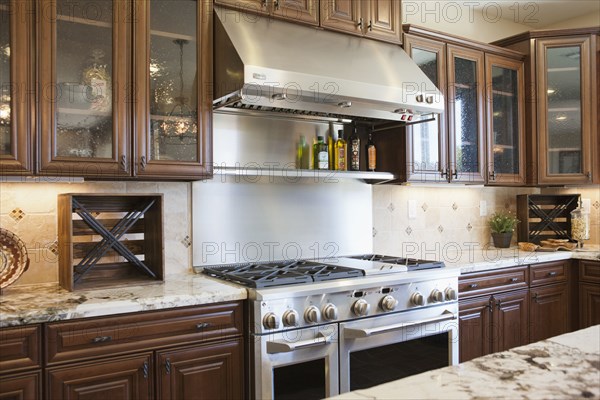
<point>539,14</point>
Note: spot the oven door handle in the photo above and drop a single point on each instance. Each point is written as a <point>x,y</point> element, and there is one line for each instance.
<point>286,347</point>
<point>353,333</point>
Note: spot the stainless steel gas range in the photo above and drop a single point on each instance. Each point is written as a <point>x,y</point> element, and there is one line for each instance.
<point>319,328</point>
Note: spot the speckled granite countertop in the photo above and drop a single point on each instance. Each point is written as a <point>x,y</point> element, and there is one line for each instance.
<point>563,367</point>
<point>45,303</point>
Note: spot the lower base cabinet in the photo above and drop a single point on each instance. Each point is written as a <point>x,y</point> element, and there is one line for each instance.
<point>201,372</point>
<point>509,324</point>
<point>549,311</point>
<point>475,322</point>
<point>21,386</point>
<point>589,304</point>
<point>115,378</point>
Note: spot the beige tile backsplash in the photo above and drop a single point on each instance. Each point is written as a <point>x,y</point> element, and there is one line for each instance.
<point>449,217</point>
<point>30,211</point>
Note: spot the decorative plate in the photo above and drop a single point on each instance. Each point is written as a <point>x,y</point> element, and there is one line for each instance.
<point>13,258</point>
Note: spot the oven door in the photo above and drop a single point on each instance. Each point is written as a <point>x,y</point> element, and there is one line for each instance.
<point>298,364</point>
<point>382,349</point>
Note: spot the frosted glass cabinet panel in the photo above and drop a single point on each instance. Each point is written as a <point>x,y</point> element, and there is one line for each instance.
<point>83,79</point>
<point>505,120</point>
<point>565,114</point>
<point>16,77</point>
<point>466,114</point>
<point>426,142</point>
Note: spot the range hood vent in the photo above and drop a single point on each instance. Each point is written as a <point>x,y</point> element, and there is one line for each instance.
<point>289,70</point>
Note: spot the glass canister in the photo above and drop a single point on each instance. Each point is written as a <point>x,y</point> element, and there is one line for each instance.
<point>580,225</point>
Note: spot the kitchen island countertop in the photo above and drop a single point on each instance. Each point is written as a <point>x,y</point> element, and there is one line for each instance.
<point>562,367</point>
<point>23,305</point>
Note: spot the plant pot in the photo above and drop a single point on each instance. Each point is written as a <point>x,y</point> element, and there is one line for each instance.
<point>502,240</point>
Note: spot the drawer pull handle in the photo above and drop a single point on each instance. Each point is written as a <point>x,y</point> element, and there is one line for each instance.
<point>514,279</point>
<point>552,273</point>
<point>102,339</point>
<point>202,325</point>
<point>473,285</point>
<point>146,369</point>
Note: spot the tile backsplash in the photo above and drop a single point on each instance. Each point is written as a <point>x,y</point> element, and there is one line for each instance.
<point>29,210</point>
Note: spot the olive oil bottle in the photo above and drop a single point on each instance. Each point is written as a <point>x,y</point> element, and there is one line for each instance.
<point>320,154</point>
<point>371,152</point>
<point>341,151</point>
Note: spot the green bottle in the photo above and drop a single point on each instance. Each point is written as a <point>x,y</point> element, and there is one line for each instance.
<point>302,154</point>
<point>320,154</point>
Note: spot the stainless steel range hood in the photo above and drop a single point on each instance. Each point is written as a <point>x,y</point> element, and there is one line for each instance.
<point>265,65</point>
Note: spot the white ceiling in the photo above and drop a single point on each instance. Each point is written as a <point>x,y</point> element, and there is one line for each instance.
<point>539,14</point>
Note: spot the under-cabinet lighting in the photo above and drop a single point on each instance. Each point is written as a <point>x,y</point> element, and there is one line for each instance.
<point>551,91</point>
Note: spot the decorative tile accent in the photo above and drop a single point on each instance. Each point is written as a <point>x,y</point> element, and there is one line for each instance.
<point>424,206</point>
<point>391,207</point>
<point>408,230</point>
<point>186,241</point>
<point>507,205</point>
<point>374,232</point>
<point>597,204</point>
<point>53,247</point>
<point>454,206</point>
<point>469,227</point>
<point>440,229</point>
<point>17,214</point>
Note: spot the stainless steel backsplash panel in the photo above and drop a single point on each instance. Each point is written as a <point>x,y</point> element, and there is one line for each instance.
<point>246,219</point>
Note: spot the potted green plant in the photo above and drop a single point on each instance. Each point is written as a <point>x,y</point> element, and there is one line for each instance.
<point>502,224</point>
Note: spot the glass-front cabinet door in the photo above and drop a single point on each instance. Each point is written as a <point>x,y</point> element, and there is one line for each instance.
<point>16,72</point>
<point>83,87</point>
<point>565,112</point>
<point>466,114</point>
<point>426,142</point>
<point>173,81</point>
<point>505,102</point>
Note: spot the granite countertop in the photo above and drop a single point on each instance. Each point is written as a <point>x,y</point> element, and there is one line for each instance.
<point>45,303</point>
<point>563,367</point>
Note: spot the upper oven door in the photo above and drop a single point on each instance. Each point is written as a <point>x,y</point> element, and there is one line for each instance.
<point>382,349</point>
<point>297,364</point>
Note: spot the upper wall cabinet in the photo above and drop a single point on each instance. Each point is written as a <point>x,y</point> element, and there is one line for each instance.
<point>376,19</point>
<point>124,88</point>
<point>304,11</point>
<point>562,124</point>
<point>16,77</point>
<point>480,137</point>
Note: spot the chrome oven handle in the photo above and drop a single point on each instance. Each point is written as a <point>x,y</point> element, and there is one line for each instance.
<point>352,333</point>
<point>286,347</point>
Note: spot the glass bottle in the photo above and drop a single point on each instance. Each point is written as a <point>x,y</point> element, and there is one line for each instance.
<point>320,154</point>
<point>302,154</point>
<point>354,150</point>
<point>341,149</point>
<point>371,153</point>
<point>580,224</point>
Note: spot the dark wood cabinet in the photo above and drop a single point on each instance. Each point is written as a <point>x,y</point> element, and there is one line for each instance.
<point>509,324</point>
<point>562,105</point>
<point>201,372</point>
<point>549,311</point>
<point>250,6</point>
<point>475,324</point>
<point>17,100</point>
<point>129,377</point>
<point>589,293</point>
<point>305,11</point>
<point>376,19</point>
<point>107,104</point>
<point>26,386</point>
<point>480,138</point>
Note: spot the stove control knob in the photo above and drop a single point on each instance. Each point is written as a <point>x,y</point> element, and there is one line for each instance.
<point>437,296</point>
<point>291,318</point>
<point>451,294</point>
<point>417,299</point>
<point>361,307</point>
<point>270,321</point>
<point>330,312</point>
<point>311,315</point>
<point>388,303</point>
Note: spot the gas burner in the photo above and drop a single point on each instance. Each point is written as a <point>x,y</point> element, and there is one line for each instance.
<point>412,264</point>
<point>260,275</point>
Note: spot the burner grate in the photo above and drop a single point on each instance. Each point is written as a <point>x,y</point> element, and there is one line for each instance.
<point>412,264</point>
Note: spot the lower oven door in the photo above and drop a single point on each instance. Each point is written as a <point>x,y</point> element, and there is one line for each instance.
<point>297,364</point>
<point>382,349</point>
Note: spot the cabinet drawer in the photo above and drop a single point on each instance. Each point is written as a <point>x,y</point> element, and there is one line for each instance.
<point>84,339</point>
<point>589,271</point>
<point>470,285</point>
<point>546,273</point>
<point>20,348</point>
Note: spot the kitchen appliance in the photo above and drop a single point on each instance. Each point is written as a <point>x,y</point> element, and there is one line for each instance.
<point>265,65</point>
<point>322,327</point>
